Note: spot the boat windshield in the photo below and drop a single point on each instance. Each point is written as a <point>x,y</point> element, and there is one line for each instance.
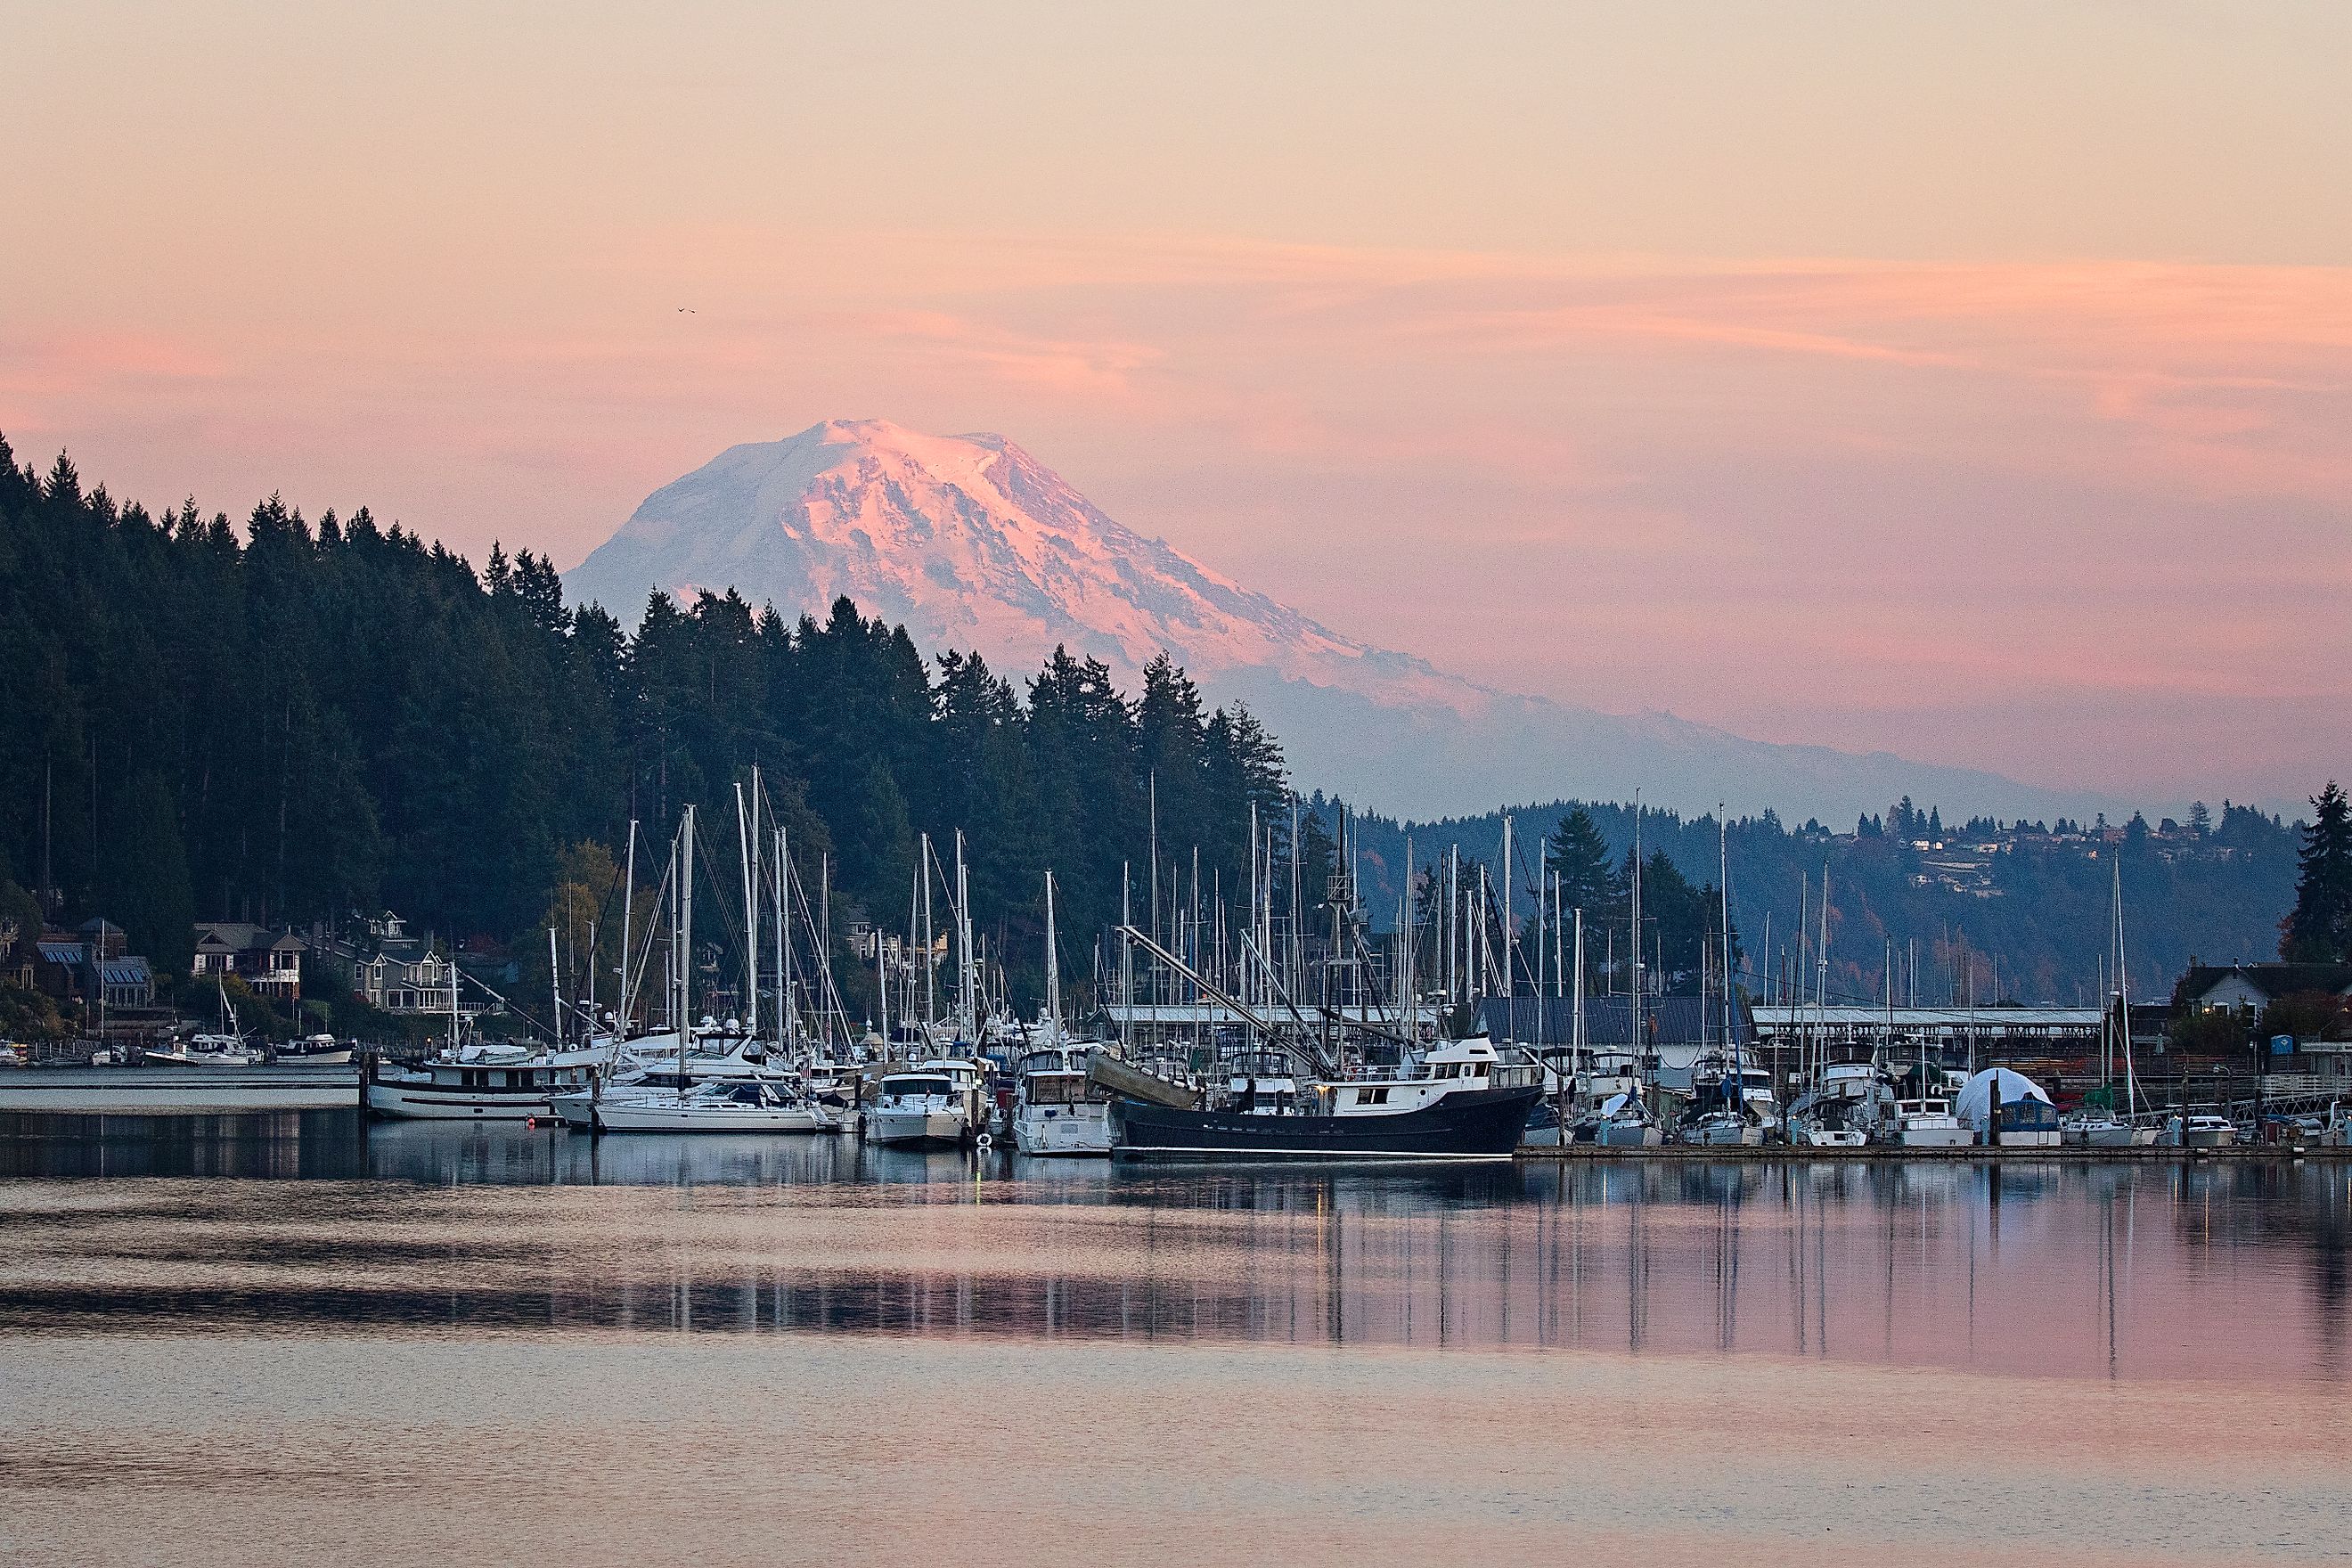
<point>1059,1089</point>
<point>909,1086</point>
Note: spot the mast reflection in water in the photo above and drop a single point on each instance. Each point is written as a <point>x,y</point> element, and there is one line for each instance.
<point>2058,1269</point>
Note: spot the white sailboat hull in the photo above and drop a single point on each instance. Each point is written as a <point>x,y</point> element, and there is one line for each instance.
<point>1955,1136</point>
<point>669,1113</point>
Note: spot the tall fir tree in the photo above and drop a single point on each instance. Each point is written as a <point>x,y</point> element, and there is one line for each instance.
<point>2318,930</point>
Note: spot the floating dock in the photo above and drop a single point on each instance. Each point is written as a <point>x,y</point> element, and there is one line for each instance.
<point>181,1090</point>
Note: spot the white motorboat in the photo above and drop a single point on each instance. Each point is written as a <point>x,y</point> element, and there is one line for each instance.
<point>318,1051</point>
<point>1621,1123</point>
<point>2100,1129</point>
<point>1845,1098</point>
<point>1807,1133</point>
<point>934,1102</point>
<point>1056,1108</point>
<point>2199,1132</point>
<point>1725,1129</point>
<point>482,1083</point>
<point>756,1105</point>
<point>1929,1124</point>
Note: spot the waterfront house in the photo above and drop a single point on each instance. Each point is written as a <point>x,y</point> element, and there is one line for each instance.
<point>268,962</point>
<point>405,985</point>
<point>88,967</point>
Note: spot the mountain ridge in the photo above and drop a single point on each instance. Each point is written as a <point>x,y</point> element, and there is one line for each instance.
<point>971,543</point>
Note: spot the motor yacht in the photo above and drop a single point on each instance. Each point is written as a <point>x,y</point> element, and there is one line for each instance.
<point>1929,1124</point>
<point>484,1082</point>
<point>934,1102</point>
<point>1453,1108</point>
<point>1056,1107</point>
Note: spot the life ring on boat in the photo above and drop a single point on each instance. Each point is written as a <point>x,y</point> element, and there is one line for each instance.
<point>985,1141</point>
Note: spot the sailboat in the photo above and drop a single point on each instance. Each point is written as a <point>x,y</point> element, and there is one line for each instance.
<point>2102,1128</point>
<point>224,1050</point>
<point>758,1100</point>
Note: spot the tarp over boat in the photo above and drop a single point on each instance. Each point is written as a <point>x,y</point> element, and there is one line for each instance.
<point>1975,1101</point>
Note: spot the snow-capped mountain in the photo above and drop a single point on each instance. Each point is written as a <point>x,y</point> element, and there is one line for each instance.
<point>973,543</point>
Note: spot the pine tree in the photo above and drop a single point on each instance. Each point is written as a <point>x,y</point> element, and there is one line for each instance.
<point>1578,856</point>
<point>2319,928</point>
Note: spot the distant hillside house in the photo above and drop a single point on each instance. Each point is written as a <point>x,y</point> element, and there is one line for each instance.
<point>268,962</point>
<point>2254,986</point>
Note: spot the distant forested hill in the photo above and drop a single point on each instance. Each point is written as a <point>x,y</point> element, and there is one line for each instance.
<point>300,720</point>
<point>2033,897</point>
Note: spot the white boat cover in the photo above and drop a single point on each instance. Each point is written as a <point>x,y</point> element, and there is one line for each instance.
<point>1974,1104</point>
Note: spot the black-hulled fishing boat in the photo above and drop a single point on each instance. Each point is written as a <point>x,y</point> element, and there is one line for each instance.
<point>1454,1110</point>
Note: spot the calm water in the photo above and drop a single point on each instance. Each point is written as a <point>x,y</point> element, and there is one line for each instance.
<point>233,1339</point>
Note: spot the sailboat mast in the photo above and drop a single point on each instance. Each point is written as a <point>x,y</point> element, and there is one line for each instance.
<point>1636,1013</point>
<point>1576,1017</point>
<point>787,1015</point>
<point>931,968</point>
<point>555,988</point>
<point>1723,889</point>
<point>2123,999</point>
<point>1053,967</point>
<point>824,935</point>
<point>628,915</point>
<point>1510,974</point>
<point>747,853</point>
<point>967,976</point>
<point>685,939</point>
<point>1405,1000</point>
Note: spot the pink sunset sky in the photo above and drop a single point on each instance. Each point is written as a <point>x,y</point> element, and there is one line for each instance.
<point>1972,381</point>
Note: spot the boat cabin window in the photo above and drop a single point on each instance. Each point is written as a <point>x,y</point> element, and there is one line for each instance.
<point>915,1086</point>
<point>1055,1088</point>
<point>1376,1095</point>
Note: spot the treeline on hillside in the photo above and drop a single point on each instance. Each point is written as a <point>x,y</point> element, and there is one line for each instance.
<point>2212,889</point>
<point>320,718</point>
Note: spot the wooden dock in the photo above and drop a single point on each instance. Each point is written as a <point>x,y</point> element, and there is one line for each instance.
<point>1788,1154</point>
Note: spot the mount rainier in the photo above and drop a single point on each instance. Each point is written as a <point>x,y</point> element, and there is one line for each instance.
<point>973,543</point>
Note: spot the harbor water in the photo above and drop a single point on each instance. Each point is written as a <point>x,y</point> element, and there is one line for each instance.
<point>266,1335</point>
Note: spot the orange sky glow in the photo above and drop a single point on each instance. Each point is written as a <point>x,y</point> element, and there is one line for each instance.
<point>1973,381</point>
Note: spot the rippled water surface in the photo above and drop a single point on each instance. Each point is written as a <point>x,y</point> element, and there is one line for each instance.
<point>248,1338</point>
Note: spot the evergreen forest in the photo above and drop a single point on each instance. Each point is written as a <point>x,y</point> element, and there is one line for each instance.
<point>294,721</point>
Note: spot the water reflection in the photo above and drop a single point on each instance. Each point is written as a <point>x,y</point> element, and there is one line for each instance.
<point>2125,1270</point>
